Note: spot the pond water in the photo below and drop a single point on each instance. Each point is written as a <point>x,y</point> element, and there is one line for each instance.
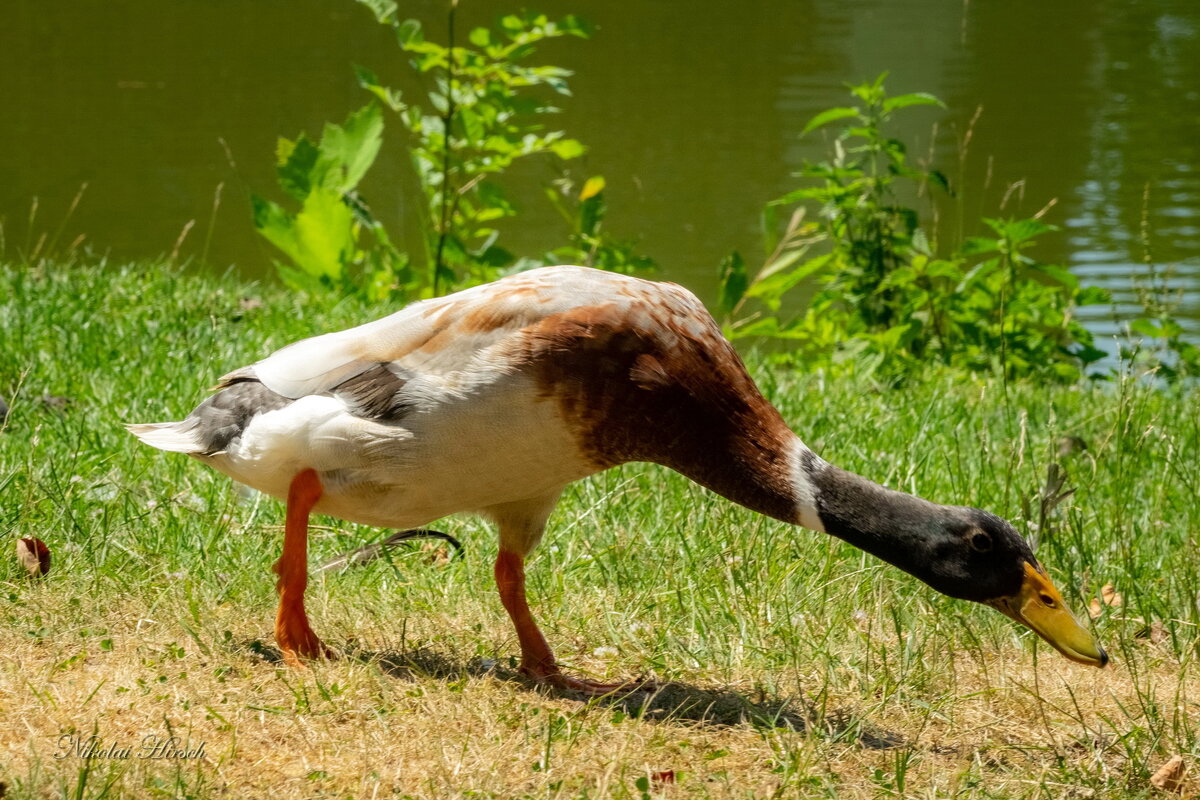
<point>692,112</point>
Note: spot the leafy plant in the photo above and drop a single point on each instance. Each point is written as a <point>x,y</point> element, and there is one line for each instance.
<point>589,242</point>
<point>1156,342</point>
<point>483,113</point>
<point>322,239</point>
<point>886,301</point>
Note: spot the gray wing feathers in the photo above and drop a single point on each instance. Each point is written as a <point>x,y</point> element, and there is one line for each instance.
<point>374,393</point>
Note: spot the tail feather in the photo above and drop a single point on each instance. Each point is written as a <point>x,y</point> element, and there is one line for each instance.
<point>174,437</point>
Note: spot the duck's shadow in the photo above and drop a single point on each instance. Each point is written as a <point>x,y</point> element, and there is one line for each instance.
<point>671,702</point>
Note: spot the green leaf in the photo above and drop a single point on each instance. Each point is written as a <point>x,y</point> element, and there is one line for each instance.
<point>385,10</point>
<point>473,125</point>
<point>318,239</point>
<point>1051,275</point>
<point>914,99</point>
<point>480,37</point>
<point>370,81</point>
<point>298,169</point>
<point>591,187</point>
<point>977,245</point>
<point>773,281</point>
<point>566,149</point>
<point>576,26</point>
<point>1092,296</point>
<point>829,115</point>
<point>764,326</point>
<point>920,243</point>
<point>352,146</point>
<point>734,281</point>
<point>591,213</point>
<point>1019,230</point>
<point>938,178</point>
<point>1146,327</point>
<point>512,24</point>
<point>772,288</point>
<point>408,33</point>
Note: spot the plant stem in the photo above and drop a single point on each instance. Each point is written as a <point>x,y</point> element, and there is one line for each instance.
<point>447,121</point>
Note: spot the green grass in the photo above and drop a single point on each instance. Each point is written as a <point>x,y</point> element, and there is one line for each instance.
<point>795,665</point>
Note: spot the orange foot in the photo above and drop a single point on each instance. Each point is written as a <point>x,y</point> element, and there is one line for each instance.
<point>297,641</point>
<point>553,676</point>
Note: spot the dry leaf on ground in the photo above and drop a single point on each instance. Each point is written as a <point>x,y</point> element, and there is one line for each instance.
<point>34,556</point>
<point>1108,597</point>
<point>1169,777</point>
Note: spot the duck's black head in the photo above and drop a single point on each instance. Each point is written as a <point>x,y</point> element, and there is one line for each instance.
<point>992,564</point>
<point>961,552</point>
<point>974,555</point>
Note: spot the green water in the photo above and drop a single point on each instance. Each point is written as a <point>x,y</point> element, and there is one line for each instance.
<point>692,112</point>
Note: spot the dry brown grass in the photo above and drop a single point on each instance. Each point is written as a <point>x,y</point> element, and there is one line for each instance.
<point>428,721</point>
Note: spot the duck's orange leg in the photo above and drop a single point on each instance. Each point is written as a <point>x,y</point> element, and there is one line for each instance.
<point>537,660</point>
<point>292,632</point>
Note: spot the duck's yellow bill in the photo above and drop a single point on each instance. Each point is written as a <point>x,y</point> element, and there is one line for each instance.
<point>1039,607</point>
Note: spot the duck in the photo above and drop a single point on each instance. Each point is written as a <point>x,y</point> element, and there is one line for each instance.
<point>493,399</point>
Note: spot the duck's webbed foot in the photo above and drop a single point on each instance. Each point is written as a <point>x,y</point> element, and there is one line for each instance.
<point>297,641</point>
<point>556,678</point>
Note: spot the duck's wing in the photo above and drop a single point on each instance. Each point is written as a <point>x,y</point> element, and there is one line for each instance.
<point>433,338</point>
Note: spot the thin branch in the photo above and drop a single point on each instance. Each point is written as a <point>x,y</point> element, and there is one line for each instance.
<point>447,121</point>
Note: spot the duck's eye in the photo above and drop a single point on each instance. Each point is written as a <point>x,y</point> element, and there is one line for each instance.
<point>1047,600</point>
<point>981,542</point>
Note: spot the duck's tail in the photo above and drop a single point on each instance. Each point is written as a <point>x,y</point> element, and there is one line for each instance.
<point>174,437</point>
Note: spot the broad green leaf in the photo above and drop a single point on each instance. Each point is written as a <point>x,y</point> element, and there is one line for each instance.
<point>298,169</point>
<point>1019,230</point>
<point>901,276</point>
<point>409,33</point>
<point>766,280</point>
<point>976,245</point>
<point>576,26</point>
<point>944,268</point>
<point>591,213</point>
<point>772,288</point>
<point>566,149</point>
<point>1092,296</point>
<point>385,10</point>
<point>914,99</point>
<point>920,242</point>
<point>938,178</point>
<point>480,37</point>
<point>829,115</point>
<point>370,81</point>
<point>318,239</point>
<point>495,257</point>
<point>283,150</point>
<point>1052,275</point>
<point>473,125</point>
<point>1147,327</point>
<point>764,326</point>
<point>512,24</point>
<point>353,146</point>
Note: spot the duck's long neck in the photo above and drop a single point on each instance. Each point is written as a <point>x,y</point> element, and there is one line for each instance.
<point>797,486</point>
<point>899,528</point>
